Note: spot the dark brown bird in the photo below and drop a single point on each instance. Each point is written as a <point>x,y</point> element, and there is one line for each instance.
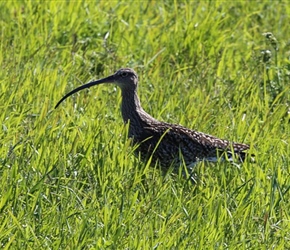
<point>167,144</point>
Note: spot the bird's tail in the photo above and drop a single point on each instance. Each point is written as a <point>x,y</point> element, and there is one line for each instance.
<point>237,152</point>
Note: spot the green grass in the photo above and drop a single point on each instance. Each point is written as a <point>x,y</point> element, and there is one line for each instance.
<point>69,179</point>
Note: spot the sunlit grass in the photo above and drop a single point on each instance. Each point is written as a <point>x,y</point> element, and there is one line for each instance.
<point>69,176</point>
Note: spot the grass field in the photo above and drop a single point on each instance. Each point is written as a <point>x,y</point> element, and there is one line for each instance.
<point>69,179</point>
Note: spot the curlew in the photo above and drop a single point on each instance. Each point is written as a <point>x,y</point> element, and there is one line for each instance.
<point>167,144</point>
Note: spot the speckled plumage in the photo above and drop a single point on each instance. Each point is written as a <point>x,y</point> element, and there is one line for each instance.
<point>167,143</point>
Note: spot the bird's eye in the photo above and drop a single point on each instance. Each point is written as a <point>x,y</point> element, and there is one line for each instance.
<point>124,74</point>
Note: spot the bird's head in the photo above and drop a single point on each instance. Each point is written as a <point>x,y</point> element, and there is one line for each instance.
<point>125,78</point>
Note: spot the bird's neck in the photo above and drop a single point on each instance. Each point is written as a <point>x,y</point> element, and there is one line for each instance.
<point>132,111</point>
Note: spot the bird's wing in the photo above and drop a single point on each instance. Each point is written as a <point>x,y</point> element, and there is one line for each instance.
<point>169,141</point>
<point>174,139</point>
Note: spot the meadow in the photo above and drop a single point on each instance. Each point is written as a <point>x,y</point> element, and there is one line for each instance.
<point>69,178</point>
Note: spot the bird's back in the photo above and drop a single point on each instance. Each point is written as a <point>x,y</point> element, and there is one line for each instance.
<point>173,144</point>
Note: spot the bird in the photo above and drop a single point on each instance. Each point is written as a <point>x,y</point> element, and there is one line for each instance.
<point>165,144</point>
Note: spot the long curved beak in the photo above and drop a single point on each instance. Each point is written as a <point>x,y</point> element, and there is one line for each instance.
<point>109,79</point>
